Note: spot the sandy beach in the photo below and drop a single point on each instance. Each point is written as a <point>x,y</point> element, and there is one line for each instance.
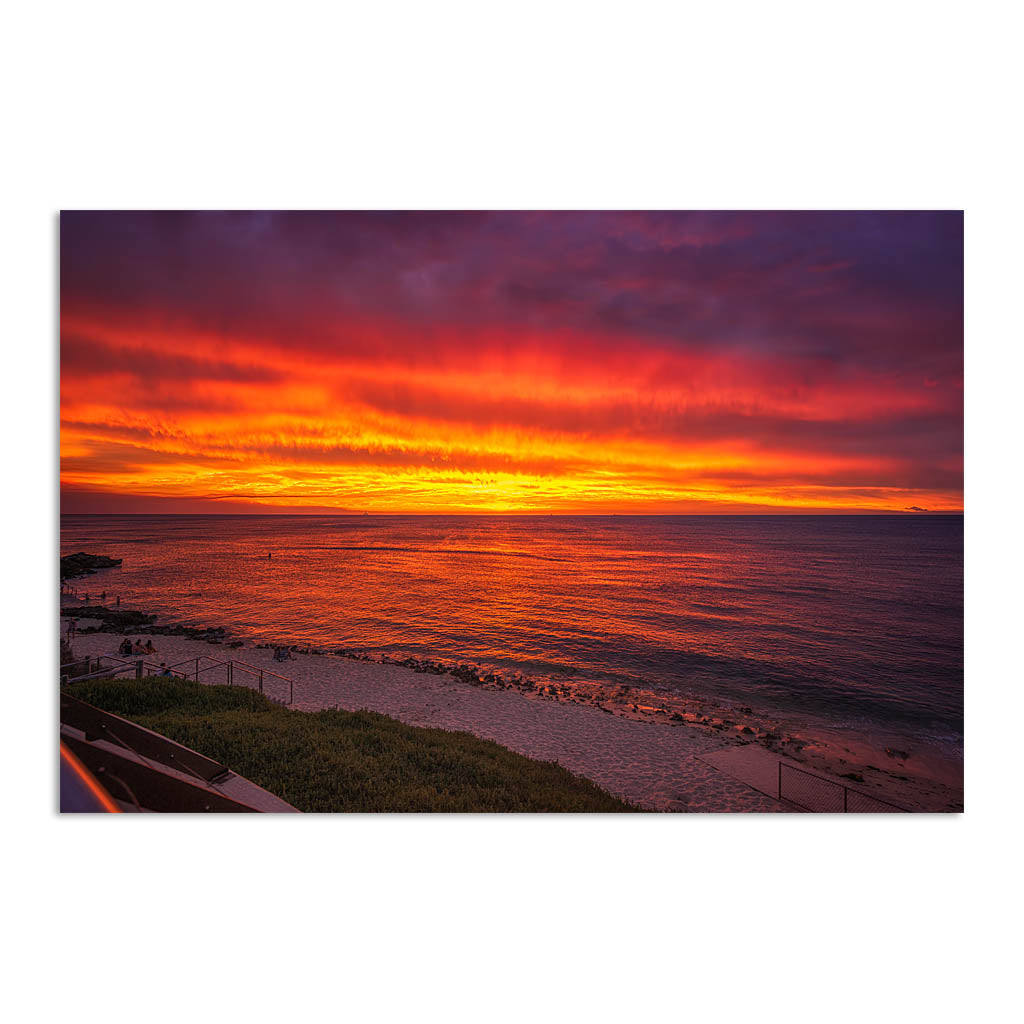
<point>635,752</point>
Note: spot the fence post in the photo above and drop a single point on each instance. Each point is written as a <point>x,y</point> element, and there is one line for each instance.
<point>231,673</point>
<point>780,780</point>
<point>261,680</point>
<point>291,691</point>
<point>845,792</point>
<point>138,669</point>
<point>197,670</point>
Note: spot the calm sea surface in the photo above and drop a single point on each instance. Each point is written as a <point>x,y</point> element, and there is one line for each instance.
<point>856,621</point>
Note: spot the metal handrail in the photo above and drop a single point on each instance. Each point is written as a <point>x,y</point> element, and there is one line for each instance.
<point>231,665</point>
<point>122,665</point>
<point>105,673</point>
<point>261,672</point>
<point>267,671</point>
<point>254,670</point>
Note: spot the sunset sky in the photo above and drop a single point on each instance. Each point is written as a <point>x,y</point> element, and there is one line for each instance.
<point>511,362</point>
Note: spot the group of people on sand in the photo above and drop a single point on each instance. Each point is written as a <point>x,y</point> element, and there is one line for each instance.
<point>127,649</point>
<point>139,650</point>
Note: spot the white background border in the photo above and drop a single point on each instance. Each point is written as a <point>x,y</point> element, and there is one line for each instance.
<point>555,105</point>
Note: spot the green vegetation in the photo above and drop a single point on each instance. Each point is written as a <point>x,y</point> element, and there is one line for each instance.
<point>344,760</point>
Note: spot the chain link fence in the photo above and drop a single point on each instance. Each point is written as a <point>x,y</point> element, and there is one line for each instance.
<point>814,793</point>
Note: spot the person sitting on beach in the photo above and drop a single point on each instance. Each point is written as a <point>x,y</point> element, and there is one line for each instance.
<point>164,670</point>
<point>137,649</point>
<point>149,648</point>
<point>126,647</point>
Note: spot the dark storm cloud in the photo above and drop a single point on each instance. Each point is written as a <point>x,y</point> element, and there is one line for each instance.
<point>848,285</point>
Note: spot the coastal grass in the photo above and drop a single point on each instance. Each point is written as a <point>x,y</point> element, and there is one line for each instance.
<point>345,760</point>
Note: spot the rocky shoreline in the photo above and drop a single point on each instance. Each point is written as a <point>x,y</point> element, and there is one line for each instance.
<point>129,623</point>
<point>73,567</point>
<point>728,725</point>
<point>611,699</point>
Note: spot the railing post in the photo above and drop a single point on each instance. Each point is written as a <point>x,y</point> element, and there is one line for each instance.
<point>261,680</point>
<point>780,780</point>
<point>197,670</point>
<point>291,691</point>
<point>845,793</point>
<point>138,669</point>
<point>231,673</point>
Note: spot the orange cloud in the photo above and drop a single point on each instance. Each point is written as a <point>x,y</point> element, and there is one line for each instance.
<point>540,428</point>
<point>512,363</point>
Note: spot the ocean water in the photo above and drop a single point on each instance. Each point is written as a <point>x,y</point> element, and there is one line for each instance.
<point>855,622</point>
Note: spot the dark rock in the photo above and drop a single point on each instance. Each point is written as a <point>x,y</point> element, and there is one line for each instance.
<point>113,619</point>
<point>81,564</point>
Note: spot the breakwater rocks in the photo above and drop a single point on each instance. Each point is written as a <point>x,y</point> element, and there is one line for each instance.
<point>81,564</point>
<point>115,620</point>
<point>611,698</point>
<point>471,674</point>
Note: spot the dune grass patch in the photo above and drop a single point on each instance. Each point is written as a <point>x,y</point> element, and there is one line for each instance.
<point>345,760</point>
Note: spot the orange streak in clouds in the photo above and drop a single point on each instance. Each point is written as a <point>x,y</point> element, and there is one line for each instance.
<point>486,422</point>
